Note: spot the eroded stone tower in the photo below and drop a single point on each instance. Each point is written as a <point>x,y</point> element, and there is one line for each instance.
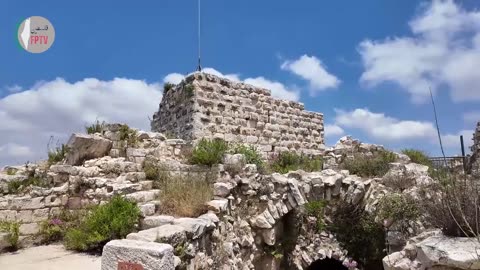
<point>207,106</point>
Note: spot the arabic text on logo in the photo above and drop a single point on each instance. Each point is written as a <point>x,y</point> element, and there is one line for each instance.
<point>36,34</point>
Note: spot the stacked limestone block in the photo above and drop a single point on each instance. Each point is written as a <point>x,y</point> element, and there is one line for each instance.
<point>206,106</point>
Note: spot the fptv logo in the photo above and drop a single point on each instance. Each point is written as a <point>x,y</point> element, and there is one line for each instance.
<point>36,34</point>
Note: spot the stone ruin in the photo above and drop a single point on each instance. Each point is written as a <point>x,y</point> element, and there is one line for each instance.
<point>207,106</point>
<point>251,216</point>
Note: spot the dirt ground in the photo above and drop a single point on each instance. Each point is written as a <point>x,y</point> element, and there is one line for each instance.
<point>53,257</point>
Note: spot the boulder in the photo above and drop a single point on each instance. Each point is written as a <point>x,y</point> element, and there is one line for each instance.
<point>170,234</point>
<point>128,254</point>
<point>83,147</point>
<point>436,252</point>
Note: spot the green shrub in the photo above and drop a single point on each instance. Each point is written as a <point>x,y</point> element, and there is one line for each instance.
<point>96,127</point>
<point>358,233</point>
<point>129,135</point>
<point>417,156</point>
<point>317,209</point>
<point>58,154</point>
<point>51,231</point>
<point>252,156</point>
<point>13,230</point>
<point>167,87</point>
<point>17,186</point>
<point>209,152</point>
<point>291,161</point>
<point>113,220</point>
<point>189,90</point>
<point>11,171</point>
<point>184,196</point>
<point>158,173</point>
<point>398,208</point>
<point>366,166</point>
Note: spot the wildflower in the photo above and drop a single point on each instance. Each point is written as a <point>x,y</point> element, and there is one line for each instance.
<point>56,221</point>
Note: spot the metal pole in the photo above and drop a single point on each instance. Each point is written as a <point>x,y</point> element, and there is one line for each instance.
<point>463,154</point>
<point>199,68</point>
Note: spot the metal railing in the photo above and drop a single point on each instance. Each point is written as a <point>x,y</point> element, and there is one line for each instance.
<point>448,162</point>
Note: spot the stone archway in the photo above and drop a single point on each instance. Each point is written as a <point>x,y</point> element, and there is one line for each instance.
<point>327,264</point>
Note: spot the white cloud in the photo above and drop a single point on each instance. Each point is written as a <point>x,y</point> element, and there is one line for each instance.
<point>453,140</point>
<point>333,130</point>
<point>472,117</point>
<point>382,127</point>
<point>15,150</point>
<point>174,78</point>
<point>59,108</point>
<point>444,50</point>
<point>311,69</point>
<point>278,89</point>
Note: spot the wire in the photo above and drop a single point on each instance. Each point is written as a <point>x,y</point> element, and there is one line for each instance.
<point>438,128</point>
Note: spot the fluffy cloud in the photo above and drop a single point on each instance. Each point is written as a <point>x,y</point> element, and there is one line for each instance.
<point>453,140</point>
<point>443,50</point>
<point>311,69</point>
<point>278,89</point>
<point>57,108</point>
<point>174,78</point>
<point>333,130</point>
<point>386,129</point>
<point>382,127</point>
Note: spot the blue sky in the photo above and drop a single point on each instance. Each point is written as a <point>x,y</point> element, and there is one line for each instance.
<point>366,65</point>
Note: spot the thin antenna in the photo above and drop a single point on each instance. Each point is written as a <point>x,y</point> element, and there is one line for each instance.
<point>438,128</point>
<point>199,68</point>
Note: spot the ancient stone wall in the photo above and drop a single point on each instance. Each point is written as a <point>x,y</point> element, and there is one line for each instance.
<point>474,161</point>
<point>206,106</point>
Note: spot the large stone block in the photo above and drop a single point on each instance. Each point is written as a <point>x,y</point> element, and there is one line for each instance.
<point>83,147</point>
<point>136,255</point>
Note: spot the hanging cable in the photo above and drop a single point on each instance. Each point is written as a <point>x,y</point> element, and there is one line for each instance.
<point>438,128</point>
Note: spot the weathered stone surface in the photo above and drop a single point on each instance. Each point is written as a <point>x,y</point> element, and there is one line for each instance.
<point>195,227</point>
<point>29,229</point>
<point>83,147</point>
<point>218,206</point>
<point>248,115</point>
<point>156,221</point>
<point>170,234</point>
<point>147,209</point>
<point>222,189</point>
<point>152,256</point>
<point>436,252</point>
<point>4,240</point>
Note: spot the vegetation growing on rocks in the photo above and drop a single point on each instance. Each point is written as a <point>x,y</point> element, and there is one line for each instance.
<point>113,220</point>
<point>357,232</point>
<point>368,166</point>
<point>209,152</point>
<point>417,156</point>
<point>252,156</point>
<point>96,127</point>
<point>399,208</point>
<point>291,161</point>
<point>129,135</point>
<point>13,230</point>
<point>184,195</point>
<point>57,154</point>
<point>167,87</point>
<point>18,186</point>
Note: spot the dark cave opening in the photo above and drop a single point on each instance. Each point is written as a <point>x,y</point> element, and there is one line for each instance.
<point>327,264</point>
